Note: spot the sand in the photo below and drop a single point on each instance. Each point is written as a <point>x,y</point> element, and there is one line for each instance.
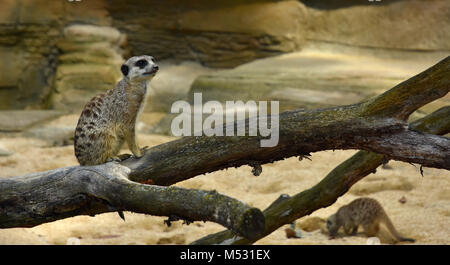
<point>424,216</point>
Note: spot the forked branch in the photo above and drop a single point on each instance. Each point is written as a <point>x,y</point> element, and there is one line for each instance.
<point>287,209</point>
<point>378,125</point>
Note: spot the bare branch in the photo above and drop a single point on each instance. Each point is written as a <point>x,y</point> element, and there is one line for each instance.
<point>402,100</point>
<point>286,209</point>
<point>34,199</point>
<point>366,126</point>
<point>300,134</point>
<point>437,122</point>
<point>376,125</point>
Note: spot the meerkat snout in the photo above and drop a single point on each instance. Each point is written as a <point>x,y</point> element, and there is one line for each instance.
<point>332,225</point>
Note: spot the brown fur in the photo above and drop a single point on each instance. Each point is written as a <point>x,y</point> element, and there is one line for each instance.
<point>109,119</point>
<point>366,212</point>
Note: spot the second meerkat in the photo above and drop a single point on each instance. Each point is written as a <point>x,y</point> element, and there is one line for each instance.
<point>109,119</point>
<point>366,212</point>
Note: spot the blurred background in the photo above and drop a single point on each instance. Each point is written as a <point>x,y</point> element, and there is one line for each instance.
<point>56,55</point>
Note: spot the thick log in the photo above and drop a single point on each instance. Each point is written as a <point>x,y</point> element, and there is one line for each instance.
<point>372,126</point>
<point>287,209</point>
<point>30,200</point>
<point>375,125</point>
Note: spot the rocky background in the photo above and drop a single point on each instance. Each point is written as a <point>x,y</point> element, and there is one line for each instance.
<point>57,54</point>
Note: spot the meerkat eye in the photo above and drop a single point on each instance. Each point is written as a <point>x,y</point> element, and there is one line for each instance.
<point>153,60</point>
<point>141,63</point>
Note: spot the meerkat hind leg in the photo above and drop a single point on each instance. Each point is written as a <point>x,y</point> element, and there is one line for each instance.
<point>132,144</point>
<point>109,146</point>
<point>372,229</point>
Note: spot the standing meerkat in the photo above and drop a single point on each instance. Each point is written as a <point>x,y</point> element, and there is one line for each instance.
<point>109,119</point>
<point>363,211</point>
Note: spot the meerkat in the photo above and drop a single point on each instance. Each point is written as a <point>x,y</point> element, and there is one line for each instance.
<point>109,119</point>
<point>363,211</point>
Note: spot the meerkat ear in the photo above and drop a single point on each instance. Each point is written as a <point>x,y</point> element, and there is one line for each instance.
<point>124,68</point>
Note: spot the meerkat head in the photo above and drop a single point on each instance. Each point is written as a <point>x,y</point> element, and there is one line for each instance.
<point>139,68</point>
<point>333,224</point>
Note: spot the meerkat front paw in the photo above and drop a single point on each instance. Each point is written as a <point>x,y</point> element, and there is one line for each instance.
<point>123,157</point>
<point>140,152</point>
<point>144,149</point>
<point>119,158</point>
<point>113,159</point>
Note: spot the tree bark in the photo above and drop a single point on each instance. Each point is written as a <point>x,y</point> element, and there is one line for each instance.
<point>287,209</point>
<point>34,199</point>
<point>373,125</point>
<point>377,125</point>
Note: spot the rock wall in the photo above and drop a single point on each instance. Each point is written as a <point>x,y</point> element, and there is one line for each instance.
<point>215,33</point>
<point>402,25</point>
<point>29,31</point>
<point>27,56</point>
<point>222,33</point>
<point>89,63</point>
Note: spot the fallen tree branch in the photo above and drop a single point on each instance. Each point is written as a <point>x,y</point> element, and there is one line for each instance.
<point>408,96</point>
<point>371,126</point>
<point>34,199</point>
<point>437,122</point>
<point>287,209</point>
<point>198,155</point>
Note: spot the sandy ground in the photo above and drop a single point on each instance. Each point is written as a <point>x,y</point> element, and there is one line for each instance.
<point>424,216</point>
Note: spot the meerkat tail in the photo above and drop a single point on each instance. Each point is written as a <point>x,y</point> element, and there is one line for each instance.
<point>394,231</point>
